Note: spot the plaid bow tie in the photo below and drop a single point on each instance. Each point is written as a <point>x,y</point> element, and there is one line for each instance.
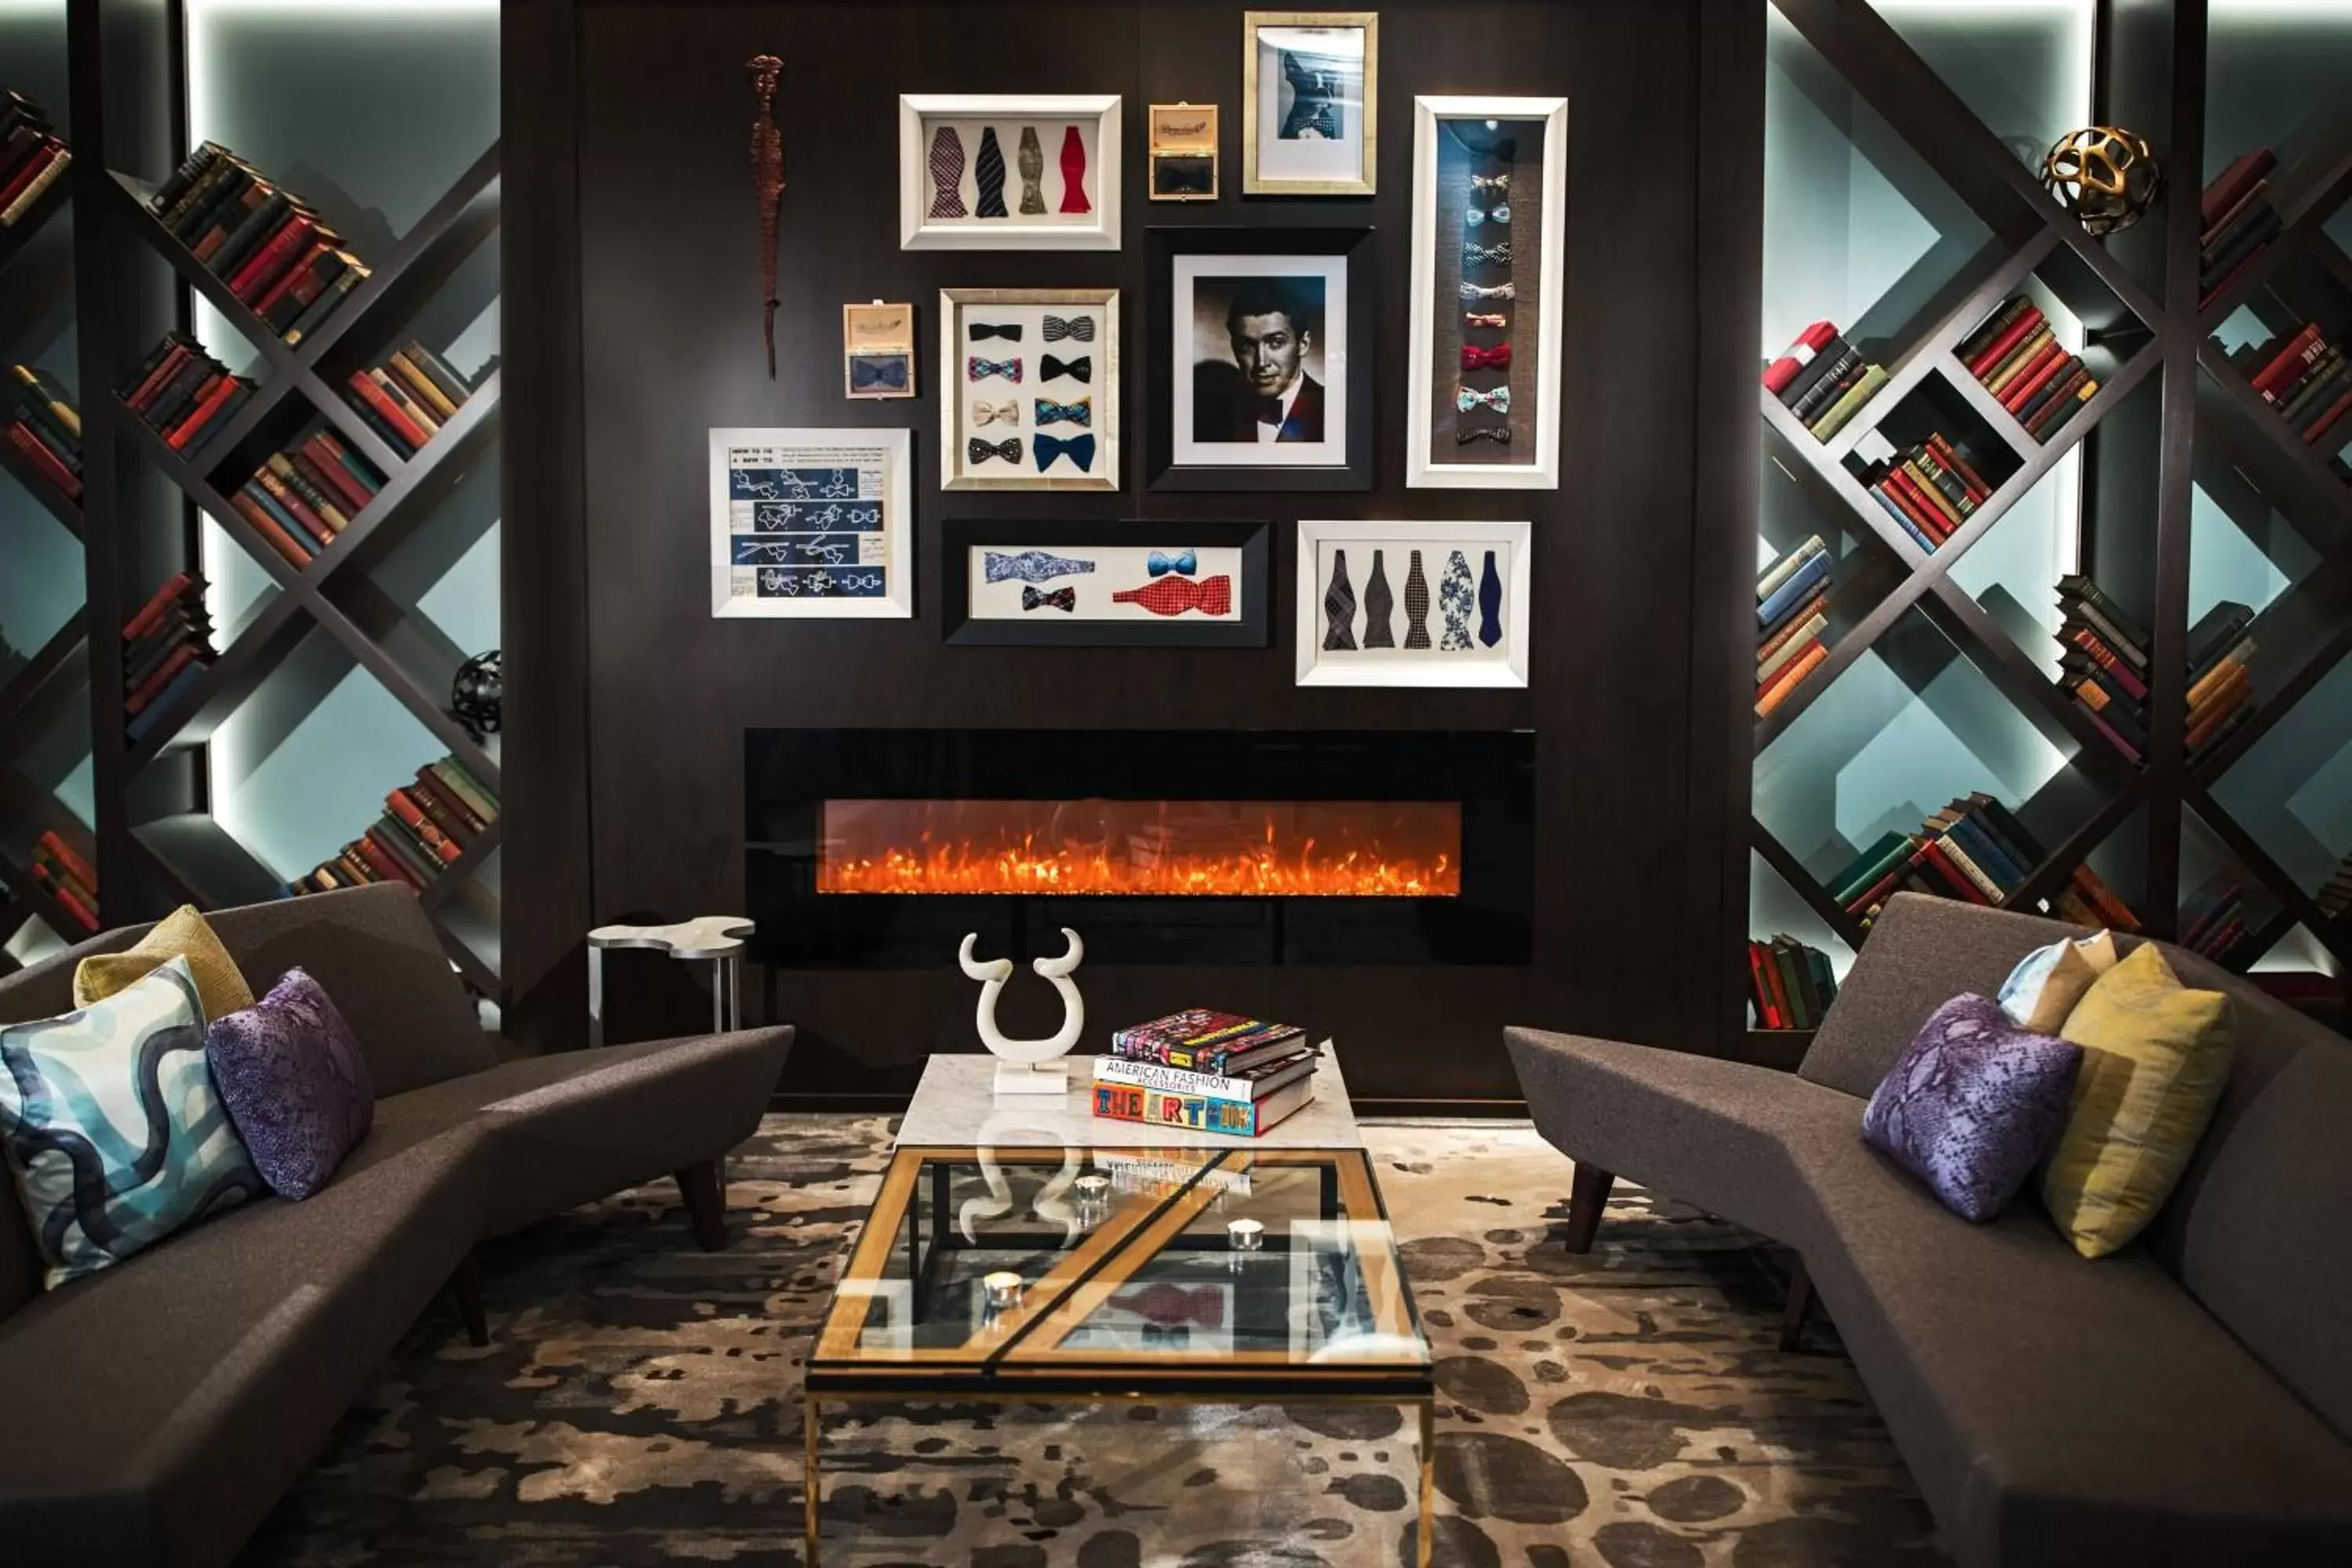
<point>1079,369</point>
<point>979,368</point>
<point>1174,596</point>
<point>1498,434</point>
<point>1487,255</point>
<point>1010,332</point>
<point>1499,213</point>
<point>977,451</point>
<point>1485,318</point>
<point>1079,449</point>
<point>1475,358</point>
<point>1466,398</point>
<point>1063,599</point>
<point>1499,291</point>
<point>1005,412</point>
<point>1049,412</point>
<point>1490,184</point>
<point>1183,563</point>
<point>1079,327</point>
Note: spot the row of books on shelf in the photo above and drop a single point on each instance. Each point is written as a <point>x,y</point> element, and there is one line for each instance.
<point>301,497</point>
<point>2235,220</point>
<point>427,825</point>
<point>67,879</point>
<point>1789,985</point>
<point>1931,488</point>
<point>1822,380</point>
<point>408,399</point>
<point>2015,354</point>
<point>2104,665</point>
<point>2217,922</point>
<point>268,246</point>
<point>33,157</point>
<point>1792,602</point>
<point>44,426</point>
<point>1975,850</point>
<point>183,393</point>
<point>1207,1071</point>
<point>166,648</point>
<point>2305,379</point>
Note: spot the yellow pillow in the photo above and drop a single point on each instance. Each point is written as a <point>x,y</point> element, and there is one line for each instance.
<point>181,934</point>
<point>2155,1055</point>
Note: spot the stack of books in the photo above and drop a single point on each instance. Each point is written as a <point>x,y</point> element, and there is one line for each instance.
<point>304,496</point>
<point>1206,1071</point>
<point>2221,691</point>
<point>2306,380</point>
<point>2103,664</point>
<point>2088,901</point>
<point>68,879</point>
<point>2235,221</point>
<point>2017,358</point>
<point>31,156</point>
<point>1791,613</point>
<point>264,242</point>
<point>1788,984</point>
<point>166,648</point>
<point>1973,849</point>
<point>1929,486</point>
<point>408,399</point>
<point>2215,920</point>
<point>184,393</point>
<point>45,426</point>
<point>1822,380</point>
<point>427,825</point>
<point>2335,898</point>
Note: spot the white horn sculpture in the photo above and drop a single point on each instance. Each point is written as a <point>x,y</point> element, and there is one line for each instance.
<point>1021,1065</point>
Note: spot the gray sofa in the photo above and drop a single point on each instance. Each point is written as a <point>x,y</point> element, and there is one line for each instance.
<point>157,1409</point>
<point>2186,1401</point>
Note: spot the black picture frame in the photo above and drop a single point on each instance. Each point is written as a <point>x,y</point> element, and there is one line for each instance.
<point>1163,245</point>
<point>1254,629</point>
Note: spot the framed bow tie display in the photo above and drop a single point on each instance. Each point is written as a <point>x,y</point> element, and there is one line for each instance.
<point>811,524</point>
<point>1310,103</point>
<point>1030,379</point>
<point>1261,358</point>
<point>877,351</point>
<point>1412,604</point>
<point>1008,172</point>
<point>1490,222</point>
<point>1107,585</point>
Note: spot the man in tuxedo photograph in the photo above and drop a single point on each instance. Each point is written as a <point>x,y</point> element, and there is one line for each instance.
<point>1263,393</point>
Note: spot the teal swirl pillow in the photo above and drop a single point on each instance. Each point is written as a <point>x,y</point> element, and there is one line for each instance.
<point>113,1130</point>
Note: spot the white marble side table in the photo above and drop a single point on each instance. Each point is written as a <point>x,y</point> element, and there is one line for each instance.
<point>717,939</point>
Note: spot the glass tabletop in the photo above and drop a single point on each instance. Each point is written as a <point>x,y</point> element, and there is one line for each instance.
<point>1025,1263</point>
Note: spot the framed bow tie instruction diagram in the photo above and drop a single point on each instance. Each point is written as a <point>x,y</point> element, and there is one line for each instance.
<point>811,524</point>
<point>1107,585</point>
<point>1009,172</point>
<point>1029,389</point>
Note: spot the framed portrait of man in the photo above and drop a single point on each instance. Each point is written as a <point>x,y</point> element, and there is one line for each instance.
<point>1264,338</point>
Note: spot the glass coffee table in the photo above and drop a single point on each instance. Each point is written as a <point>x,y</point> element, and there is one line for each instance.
<point>1194,1275</point>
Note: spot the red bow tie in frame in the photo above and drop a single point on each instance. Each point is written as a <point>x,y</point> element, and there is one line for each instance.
<point>1475,358</point>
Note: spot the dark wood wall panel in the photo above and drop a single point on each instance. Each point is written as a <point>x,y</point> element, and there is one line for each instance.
<point>669,308</point>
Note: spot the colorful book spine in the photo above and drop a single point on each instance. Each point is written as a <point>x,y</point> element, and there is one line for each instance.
<point>1199,1113</point>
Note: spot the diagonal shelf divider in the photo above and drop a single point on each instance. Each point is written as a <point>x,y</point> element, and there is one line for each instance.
<point>2250,854</point>
<point>2208,770</point>
<point>132,208</point>
<point>226,683</point>
<point>463,869</point>
<point>2050,877</point>
<point>44,666</point>
<point>2253,411</point>
<point>1792,871</point>
<point>374,533</point>
<point>67,512</point>
<point>1992,650</point>
<point>2306,231</point>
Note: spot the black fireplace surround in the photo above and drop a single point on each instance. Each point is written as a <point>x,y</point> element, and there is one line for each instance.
<point>1357,847</point>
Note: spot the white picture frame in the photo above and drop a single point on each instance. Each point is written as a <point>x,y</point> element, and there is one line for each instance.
<point>1502,663</point>
<point>1092,117</point>
<point>807,550</point>
<point>1025,310</point>
<point>1436,224</point>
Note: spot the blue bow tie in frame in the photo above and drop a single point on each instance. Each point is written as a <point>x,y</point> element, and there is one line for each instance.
<point>1185,563</point>
<point>1079,449</point>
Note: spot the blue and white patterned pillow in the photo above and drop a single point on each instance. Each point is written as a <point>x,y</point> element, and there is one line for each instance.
<point>113,1130</point>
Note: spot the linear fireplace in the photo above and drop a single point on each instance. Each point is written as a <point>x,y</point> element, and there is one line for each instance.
<point>878,848</point>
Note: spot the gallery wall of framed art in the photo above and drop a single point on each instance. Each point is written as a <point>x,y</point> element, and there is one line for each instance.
<point>643,332</point>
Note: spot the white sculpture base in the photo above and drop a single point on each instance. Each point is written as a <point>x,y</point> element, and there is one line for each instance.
<point>1042,1078</point>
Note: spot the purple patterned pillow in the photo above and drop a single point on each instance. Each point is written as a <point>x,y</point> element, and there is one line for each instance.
<point>295,1083</point>
<point>1973,1105</point>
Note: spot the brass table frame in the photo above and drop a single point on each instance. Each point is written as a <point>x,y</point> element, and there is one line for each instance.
<point>1018,1357</point>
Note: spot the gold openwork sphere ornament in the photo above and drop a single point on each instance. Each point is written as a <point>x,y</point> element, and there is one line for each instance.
<point>2104,176</point>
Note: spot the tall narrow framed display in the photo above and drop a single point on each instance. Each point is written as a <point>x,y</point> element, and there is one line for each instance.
<point>1413,604</point>
<point>811,524</point>
<point>1009,171</point>
<point>1489,226</point>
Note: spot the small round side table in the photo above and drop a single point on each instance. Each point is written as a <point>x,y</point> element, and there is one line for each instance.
<point>716,938</point>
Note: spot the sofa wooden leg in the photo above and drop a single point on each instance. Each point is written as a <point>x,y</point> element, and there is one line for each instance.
<point>465,1284</point>
<point>706,1204</point>
<point>1587,1198</point>
<point>1800,1306</point>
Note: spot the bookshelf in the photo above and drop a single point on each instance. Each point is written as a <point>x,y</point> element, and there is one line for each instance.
<point>1901,148</point>
<point>328,687</point>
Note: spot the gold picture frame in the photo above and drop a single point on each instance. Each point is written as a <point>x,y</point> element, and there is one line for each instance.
<point>1301,156</point>
<point>1014,330</point>
<point>1183,143</point>
<point>877,351</point>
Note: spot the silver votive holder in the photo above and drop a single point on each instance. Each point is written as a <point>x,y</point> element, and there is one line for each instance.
<point>1094,1191</point>
<point>1244,1236</point>
<point>1003,1289</point>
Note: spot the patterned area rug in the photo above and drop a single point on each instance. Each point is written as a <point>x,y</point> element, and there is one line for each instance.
<point>640,1404</point>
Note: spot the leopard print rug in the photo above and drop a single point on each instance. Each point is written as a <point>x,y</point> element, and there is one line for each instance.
<point>640,1404</point>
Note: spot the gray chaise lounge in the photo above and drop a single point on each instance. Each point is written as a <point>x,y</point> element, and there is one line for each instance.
<point>156,1410</point>
<point>2184,1402</point>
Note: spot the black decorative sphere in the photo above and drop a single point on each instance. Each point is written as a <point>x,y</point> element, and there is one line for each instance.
<point>477,693</point>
